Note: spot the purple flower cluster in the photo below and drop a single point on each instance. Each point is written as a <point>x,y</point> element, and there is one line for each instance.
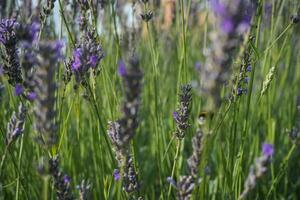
<point>11,59</point>
<point>44,91</point>
<point>122,131</point>
<point>233,19</point>
<point>181,115</point>
<point>61,180</point>
<point>86,56</point>
<point>258,169</point>
<point>15,126</point>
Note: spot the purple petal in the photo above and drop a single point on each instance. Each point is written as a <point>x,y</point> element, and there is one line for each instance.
<point>116,174</point>
<point>175,115</point>
<point>93,60</point>
<point>218,8</point>
<point>198,66</point>
<point>227,25</point>
<point>268,149</point>
<point>67,179</point>
<point>122,68</point>
<point>31,96</point>
<point>18,90</point>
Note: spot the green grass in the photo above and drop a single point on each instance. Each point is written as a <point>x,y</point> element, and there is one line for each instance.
<point>233,137</point>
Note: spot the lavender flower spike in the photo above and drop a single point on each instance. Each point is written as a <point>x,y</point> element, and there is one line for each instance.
<point>122,131</point>
<point>181,115</point>
<point>45,87</point>
<point>61,181</point>
<point>233,19</point>
<point>258,169</point>
<point>86,56</point>
<point>11,60</point>
<point>15,127</point>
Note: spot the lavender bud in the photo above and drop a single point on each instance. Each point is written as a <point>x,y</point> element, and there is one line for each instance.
<point>86,56</point>
<point>61,181</point>
<point>122,131</point>
<point>233,19</point>
<point>182,114</point>
<point>45,87</point>
<point>194,160</point>
<point>18,90</point>
<point>15,126</point>
<point>9,39</point>
<point>258,169</point>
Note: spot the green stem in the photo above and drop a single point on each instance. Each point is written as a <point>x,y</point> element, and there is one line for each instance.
<point>174,165</point>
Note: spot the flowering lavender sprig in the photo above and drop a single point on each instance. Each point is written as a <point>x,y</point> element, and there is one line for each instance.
<point>233,19</point>
<point>86,56</point>
<point>181,115</point>
<point>194,159</point>
<point>45,87</point>
<point>122,131</point>
<point>11,60</point>
<point>61,180</point>
<point>15,126</point>
<point>186,184</point>
<point>241,80</point>
<point>258,169</point>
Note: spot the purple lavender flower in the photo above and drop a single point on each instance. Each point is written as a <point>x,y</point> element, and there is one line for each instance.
<point>67,179</point>
<point>175,115</point>
<point>267,149</point>
<point>116,174</point>
<point>181,115</point>
<point>31,96</point>
<point>122,68</point>
<point>9,40</point>
<point>86,56</point>
<point>218,8</point>
<point>249,68</point>
<point>19,90</point>
<point>122,131</point>
<point>76,59</point>
<point>198,66</point>
<point>6,29</point>
<point>61,180</point>
<point>15,126</point>
<point>93,60</point>
<point>28,33</point>
<point>34,30</point>
<point>233,19</point>
<point>227,25</point>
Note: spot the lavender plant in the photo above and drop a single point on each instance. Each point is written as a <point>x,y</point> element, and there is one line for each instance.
<point>8,39</point>
<point>181,115</point>
<point>233,21</point>
<point>15,126</point>
<point>258,169</point>
<point>45,87</point>
<point>61,180</point>
<point>122,131</point>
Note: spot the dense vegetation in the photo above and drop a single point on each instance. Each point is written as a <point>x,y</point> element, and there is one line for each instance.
<point>185,99</point>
